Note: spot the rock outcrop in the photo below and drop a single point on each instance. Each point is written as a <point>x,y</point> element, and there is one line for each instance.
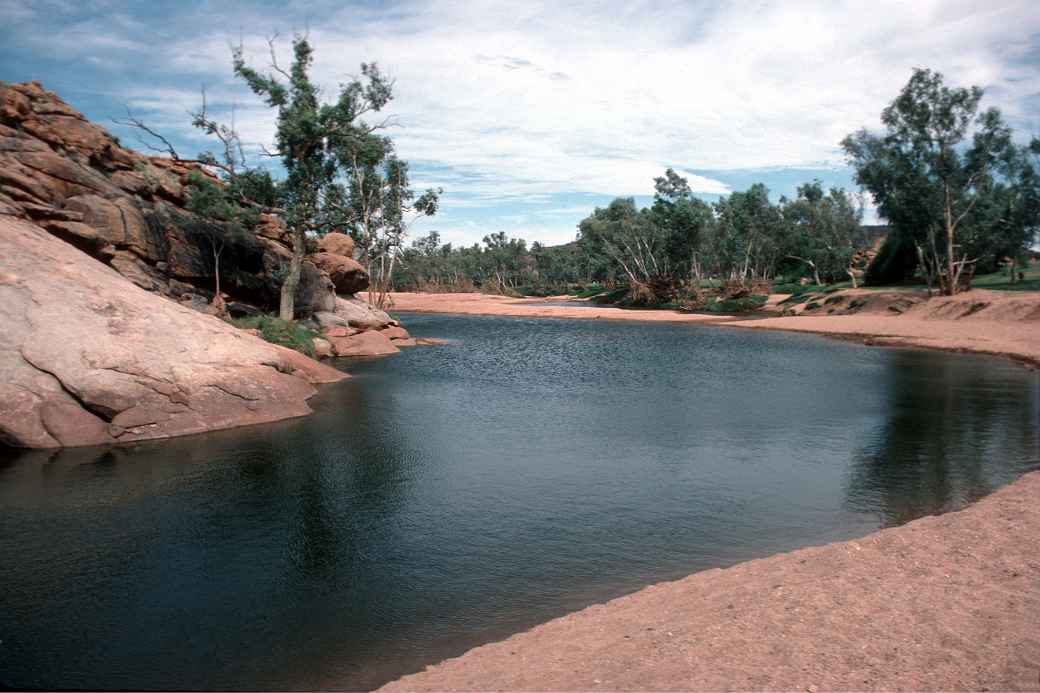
<point>87,358</point>
<point>346,274</point>
<point>71,178</point>
<point>368,343</point>
<point>106,294</point>
<point>337,244</point>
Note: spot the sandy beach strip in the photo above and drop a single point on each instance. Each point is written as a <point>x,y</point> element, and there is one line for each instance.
<point>484,304</point>
<point>947,602</point>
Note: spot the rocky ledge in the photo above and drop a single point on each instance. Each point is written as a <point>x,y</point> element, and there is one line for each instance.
<point>109,330</point>
<point>87,358</point>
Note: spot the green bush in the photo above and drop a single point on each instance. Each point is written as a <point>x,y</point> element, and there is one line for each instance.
<point>590,291</point>
<point>281,332</point>
<point>612,296</point>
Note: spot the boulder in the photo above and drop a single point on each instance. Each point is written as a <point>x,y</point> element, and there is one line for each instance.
<point>358,313</point>
<point>136,270</point>
<point>395,332</point>
<point>327,320</point>
<point>340,331</point>
<point>87,358</point>
<point>346,274</point>
<point>271,227</point>
<point>322,348</point>
<point>404,342</point>
<point>315,293</point>
<point>119,222</point>
<point>337,243</point>
<point>370,343</point>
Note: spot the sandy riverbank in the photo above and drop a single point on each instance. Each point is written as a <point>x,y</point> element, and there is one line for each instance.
<point>483,304</point>
<point>947,602</point>
<point>1009,324</point>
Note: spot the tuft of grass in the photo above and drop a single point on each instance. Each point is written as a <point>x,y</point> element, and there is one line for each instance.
<point>614,296</point>
<point>281,332</point>
<point>590,291</point>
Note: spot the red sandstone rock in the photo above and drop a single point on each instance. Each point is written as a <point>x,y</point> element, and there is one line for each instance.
<point>346,274</point>
<point>337,244</point>
<point>54,165</point>
<point>88,358</point>
<point>340,331</point>
<point>395,332</point>
<point>358,313</point>
<point>369,343</point>
<point>322,348</point>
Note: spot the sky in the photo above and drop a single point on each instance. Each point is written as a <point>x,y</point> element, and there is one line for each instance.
<point>531,114</point>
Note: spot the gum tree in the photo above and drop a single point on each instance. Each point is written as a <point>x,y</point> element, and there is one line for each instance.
<point>307,132</point>
<point>930,167</point>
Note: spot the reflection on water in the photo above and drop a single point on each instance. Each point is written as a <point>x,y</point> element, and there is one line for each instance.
<point>946,426</point>
<point>454,495</point>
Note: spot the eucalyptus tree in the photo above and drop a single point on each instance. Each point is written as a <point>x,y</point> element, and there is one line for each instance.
<point>931,167</point>
<point>685,220</point>
<point>308,133</point>
<point>384,209</point>
<point>638,246</point>
<point>748,238</point>
<point>822,229</point>
<point>1007,220</point>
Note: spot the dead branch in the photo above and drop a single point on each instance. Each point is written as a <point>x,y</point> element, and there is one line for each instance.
<point>140,126</point>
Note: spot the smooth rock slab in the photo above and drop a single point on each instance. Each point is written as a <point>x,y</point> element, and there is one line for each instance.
<point>88,358</point>
<point>368,343</point>
<point>395,332</point>
<point>358,313</point>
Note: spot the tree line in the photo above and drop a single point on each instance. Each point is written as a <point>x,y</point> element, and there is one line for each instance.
<point>668,250</point>
<point>957,191</point>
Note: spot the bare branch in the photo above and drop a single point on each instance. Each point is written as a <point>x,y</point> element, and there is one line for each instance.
<point>274,58</point>
<point>140,126</point>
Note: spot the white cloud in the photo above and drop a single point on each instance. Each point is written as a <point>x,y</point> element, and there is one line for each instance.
<point>503,102</point>
<point>743,86</point>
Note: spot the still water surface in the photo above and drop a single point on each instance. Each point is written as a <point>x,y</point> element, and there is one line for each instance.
<point>453,495</point>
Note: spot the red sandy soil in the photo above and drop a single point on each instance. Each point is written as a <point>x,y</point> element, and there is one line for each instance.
<point>949,602</point>
<point>990,322</point>
<point>483,304</point>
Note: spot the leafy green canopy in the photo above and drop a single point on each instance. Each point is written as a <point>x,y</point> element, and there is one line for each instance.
<point>948,177</point>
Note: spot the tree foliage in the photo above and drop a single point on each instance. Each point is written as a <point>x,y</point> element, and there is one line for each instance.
<point>933,171</point>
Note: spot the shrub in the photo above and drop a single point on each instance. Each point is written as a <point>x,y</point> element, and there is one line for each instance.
<point>281,332</point>
<point>590,291</point>
<point>612,296</point>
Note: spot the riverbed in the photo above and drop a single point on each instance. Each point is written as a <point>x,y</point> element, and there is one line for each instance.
<point>454,495</point>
